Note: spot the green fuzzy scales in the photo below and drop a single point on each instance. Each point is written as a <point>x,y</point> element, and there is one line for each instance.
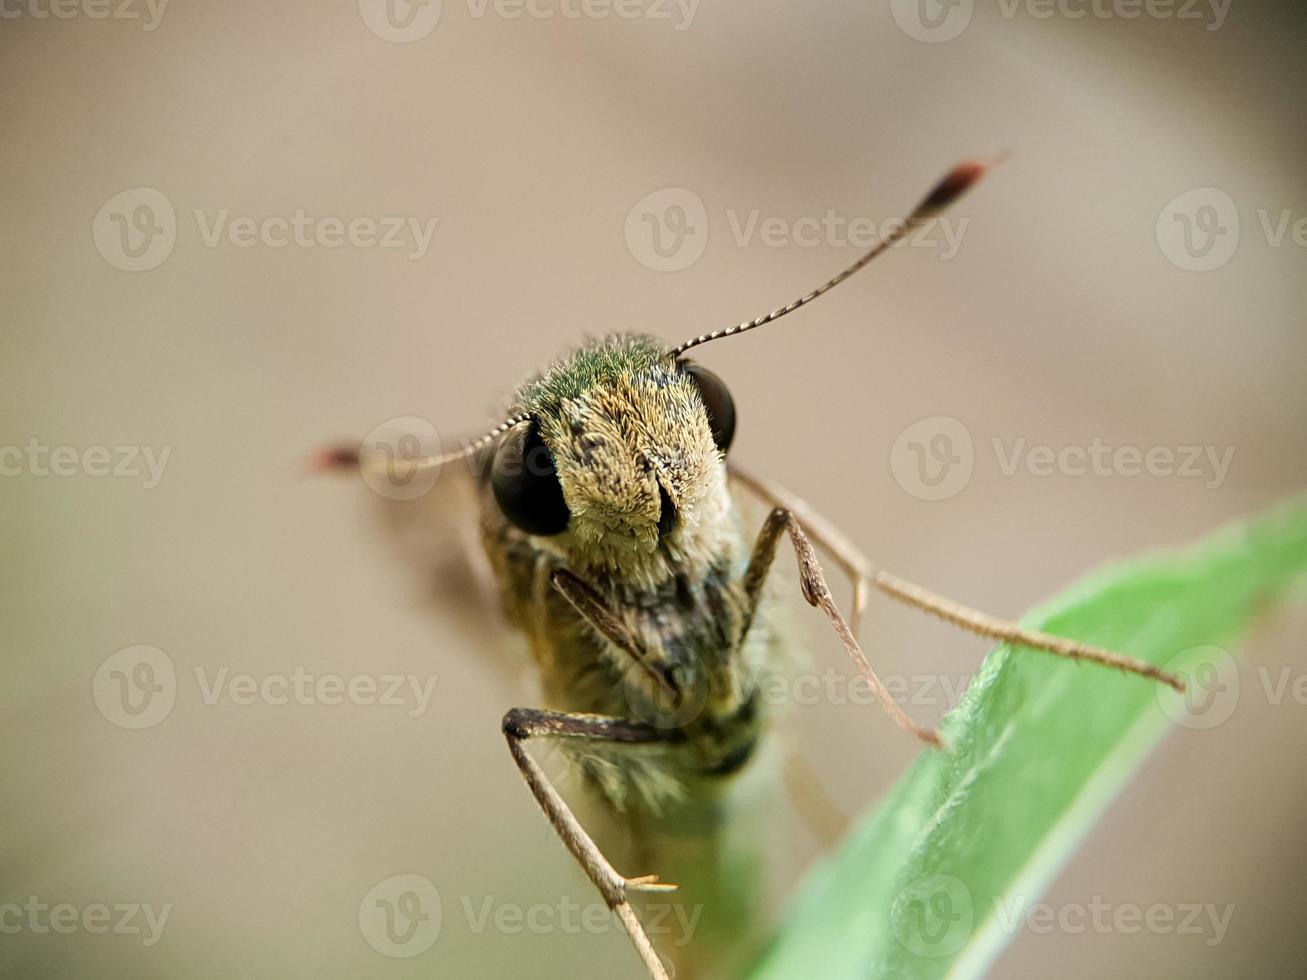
<point>594,362</point>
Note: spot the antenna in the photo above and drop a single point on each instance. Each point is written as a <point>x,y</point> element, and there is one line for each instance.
<point>958,181</point>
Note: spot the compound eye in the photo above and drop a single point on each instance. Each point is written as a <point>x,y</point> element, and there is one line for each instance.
<point>525,483</point>
<point>717,402</point>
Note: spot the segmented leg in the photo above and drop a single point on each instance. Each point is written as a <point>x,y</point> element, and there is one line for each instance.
<point>861,571</point>
<point>521,724</point>
<point>851,561</point>
<point>590,605</point>
<point>815,591</point>
<point>982,624</point>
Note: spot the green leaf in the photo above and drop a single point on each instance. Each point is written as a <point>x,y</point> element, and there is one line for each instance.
<point>932,882</point>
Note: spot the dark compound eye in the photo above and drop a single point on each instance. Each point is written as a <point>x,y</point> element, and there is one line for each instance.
<point>526,484</point>
<point>717,400</point>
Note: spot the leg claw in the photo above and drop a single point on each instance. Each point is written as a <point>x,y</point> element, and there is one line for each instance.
<point>648,883</point>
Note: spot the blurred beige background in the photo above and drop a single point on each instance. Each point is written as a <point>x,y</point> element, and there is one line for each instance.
<point>1060,319</point>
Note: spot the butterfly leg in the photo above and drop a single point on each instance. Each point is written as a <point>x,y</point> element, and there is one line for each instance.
<point>523,724</point>
<point>863,573</point>
<point>813,583</point>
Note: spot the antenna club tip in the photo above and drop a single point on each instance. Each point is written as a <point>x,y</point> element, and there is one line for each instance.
<point>333,459</point>
<point>958,181</point>
<point>973,168</point>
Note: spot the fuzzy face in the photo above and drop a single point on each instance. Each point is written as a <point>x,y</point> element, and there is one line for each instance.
<point>629,436</point>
